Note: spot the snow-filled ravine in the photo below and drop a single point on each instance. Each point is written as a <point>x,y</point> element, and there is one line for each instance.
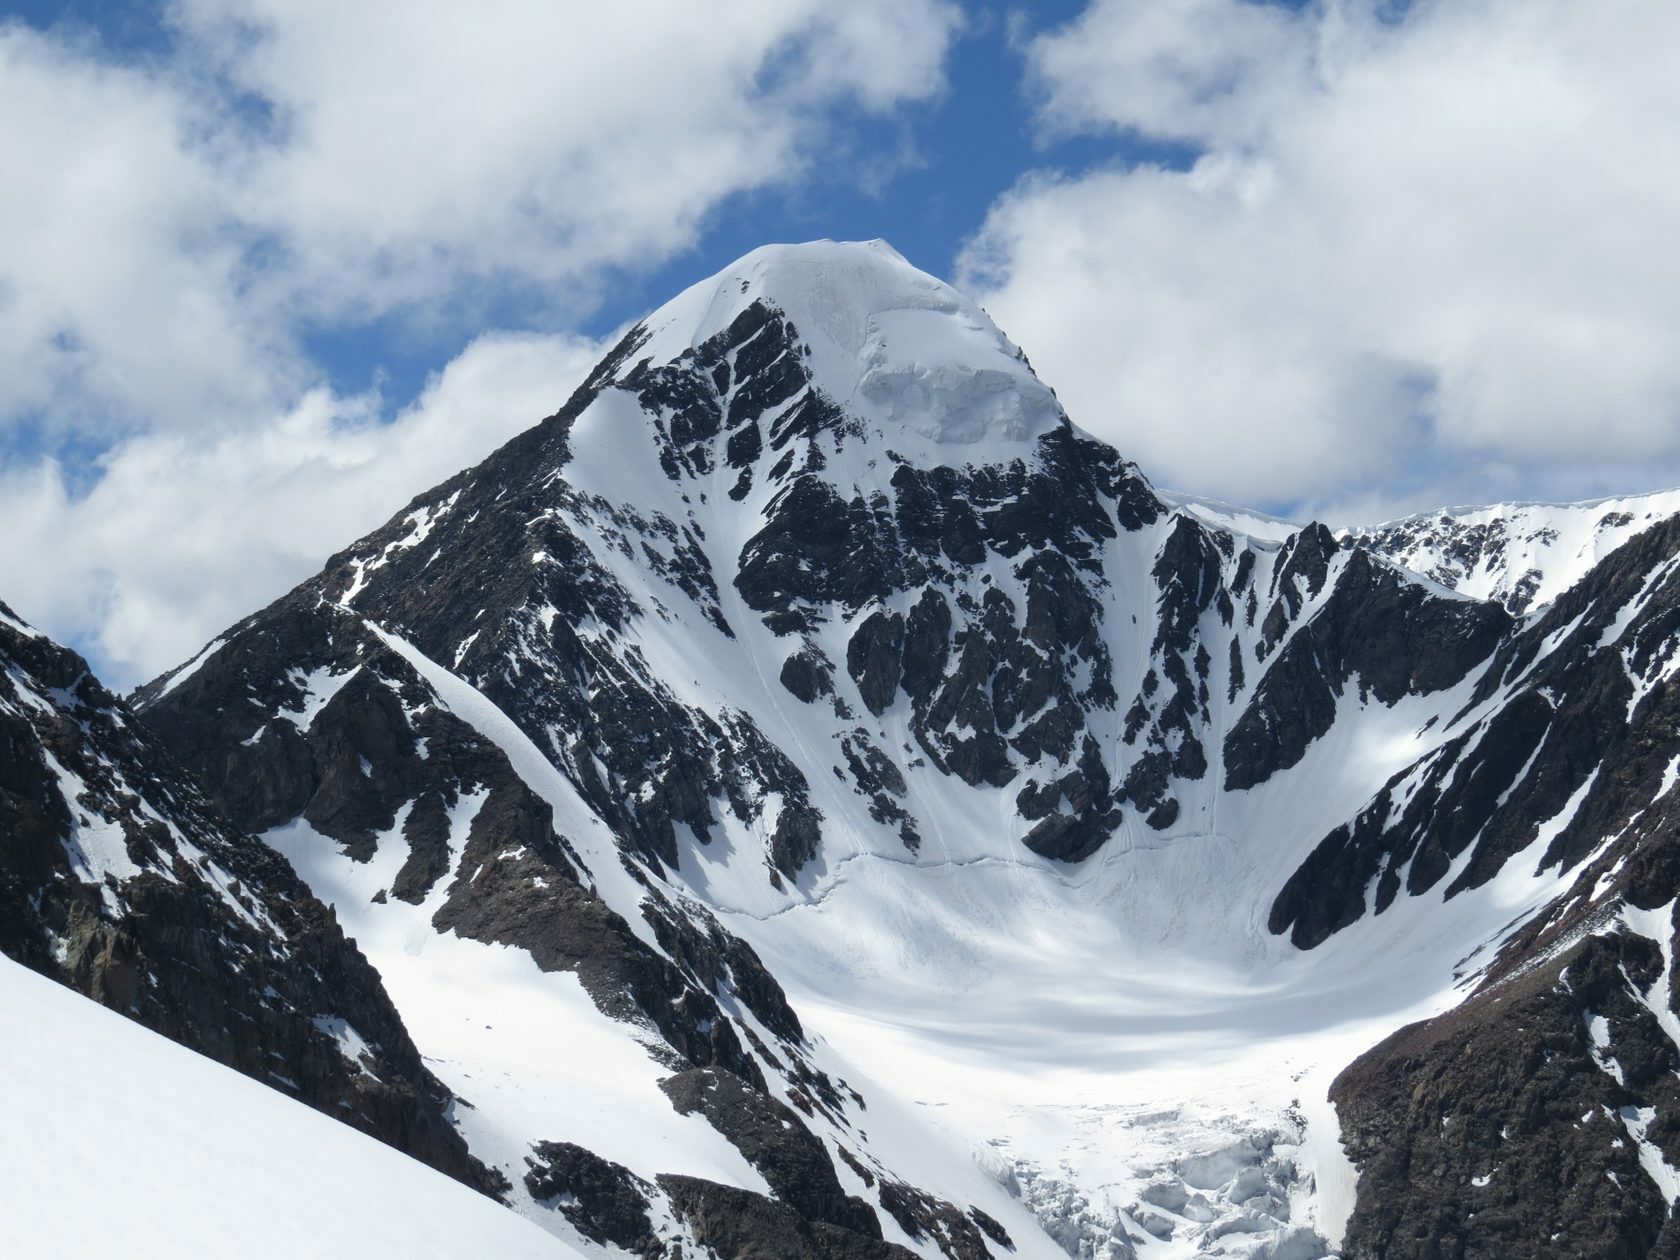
<point>1123,1044</point>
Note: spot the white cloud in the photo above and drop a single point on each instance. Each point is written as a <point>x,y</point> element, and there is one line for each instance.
<point>176,228</point>
<point>175,224</point>
<point>120,293</point>
<point>1175,69</point>
<point>180,538</point>
<point>1421,259</point>
<point>428,147</point>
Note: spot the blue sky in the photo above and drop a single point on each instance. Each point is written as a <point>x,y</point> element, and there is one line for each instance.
<point>268,268</point>
<point>924,178</point>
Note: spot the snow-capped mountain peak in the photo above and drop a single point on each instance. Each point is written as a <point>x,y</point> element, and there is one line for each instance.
<point>809,658</point>
<point>887,343</point>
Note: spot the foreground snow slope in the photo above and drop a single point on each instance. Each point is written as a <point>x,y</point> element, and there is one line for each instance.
<point>118,1142</point>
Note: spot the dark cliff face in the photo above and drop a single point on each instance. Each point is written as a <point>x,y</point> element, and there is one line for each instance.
<point>1528,1121</point>
<point>1569,727</point>
<point>1535,1119</point>
<point>119,880</point>
<point>1493,1132</point>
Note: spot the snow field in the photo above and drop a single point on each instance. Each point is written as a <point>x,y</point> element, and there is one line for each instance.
<point>118,1142</point>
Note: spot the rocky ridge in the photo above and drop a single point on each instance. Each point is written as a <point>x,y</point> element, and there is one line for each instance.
<point>119,880</point>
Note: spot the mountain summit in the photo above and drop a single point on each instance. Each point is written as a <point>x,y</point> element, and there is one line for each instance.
<point>889,345</point>
<point>806,797</point>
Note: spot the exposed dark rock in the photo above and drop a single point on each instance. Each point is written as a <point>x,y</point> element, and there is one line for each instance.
<point>742,1225</point>
<point>775,1141</point>
<point>807,675</point>
<point>1068,837</point>
<point>217,946</point>
<point>534,901</point>
<point>1187,574</point>
<point>816,549</point>
<point>1391,634</point>
<point>796,839</point>
<point>875,658</point>
<point>427,833</point>
<point>921,1215</point>
<point>927,645</point>
<point>721,962</point>
<point>990,1227</point>
<point>1491,1132</point>
<point>605,1201</point>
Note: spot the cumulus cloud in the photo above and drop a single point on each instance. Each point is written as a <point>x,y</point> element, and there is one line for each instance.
<point>1418,259</point>
<point>179,538</point>
<point>120,266</point>
<point>180,224</point>
<point>181,227</point>
<point>1179,69</point>
<point>422,149</point>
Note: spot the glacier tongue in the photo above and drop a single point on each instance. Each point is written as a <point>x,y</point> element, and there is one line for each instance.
<point>888,343</point>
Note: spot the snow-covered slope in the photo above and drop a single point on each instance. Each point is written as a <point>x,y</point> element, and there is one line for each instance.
<point>1524,555</point>
<point>117,1142</point>
<point>1234,518</point>
<point>953,840</point>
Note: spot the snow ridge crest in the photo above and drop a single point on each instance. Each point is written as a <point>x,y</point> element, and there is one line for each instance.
<point>891,345</point>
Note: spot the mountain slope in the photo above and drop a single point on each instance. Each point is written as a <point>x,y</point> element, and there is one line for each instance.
<point>117,879</point>
<point>191,1159</point>
<point>1566,1058</point>
<point>1524,555</point>
<point>891,769</point>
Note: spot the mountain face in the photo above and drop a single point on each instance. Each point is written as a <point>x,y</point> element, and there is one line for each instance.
<point>810,799</point>
<point>118,880</point>
<point>1561,1070</point>
<point>1523,555</point>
